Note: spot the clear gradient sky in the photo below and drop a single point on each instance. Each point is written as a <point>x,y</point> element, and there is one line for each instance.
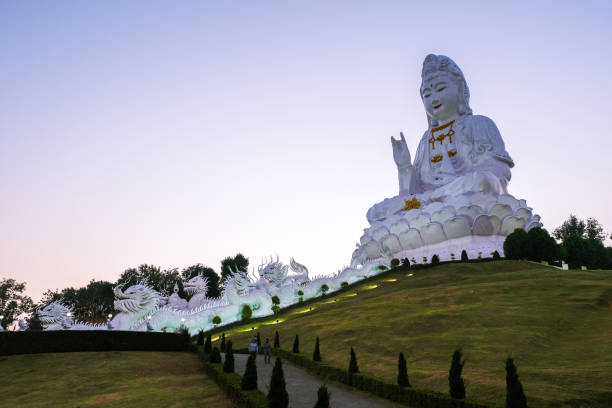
<point>173,133</point>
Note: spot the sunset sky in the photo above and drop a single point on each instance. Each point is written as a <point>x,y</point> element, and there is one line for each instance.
<point>175,133</point>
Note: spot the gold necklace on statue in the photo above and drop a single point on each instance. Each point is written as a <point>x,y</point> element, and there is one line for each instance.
<point>440,138</point>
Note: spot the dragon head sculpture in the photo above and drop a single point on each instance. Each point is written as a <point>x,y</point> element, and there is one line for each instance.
<point>138,299</point>
<point>54,313</point>
<point>274,271</point>
<point>197,284</point>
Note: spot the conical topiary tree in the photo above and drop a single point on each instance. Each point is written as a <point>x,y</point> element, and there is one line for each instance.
<point>222,341</point>
<point>200,341</point>
<point>515,397</point>
<point>228,365</point>
<point>402,372</point>
<point>296,344</point>
<point>322,397</point>
<point>258,341</point>
<point>34,324</point>
<point>276,340</point>
<point>457,386</point>
<point>464,256</point>
<point>208,344</point>
<point>215,356</point>
<point>278,396</point>
<point>249,379</point>
<point>353,367</point>
<point>316,355</point>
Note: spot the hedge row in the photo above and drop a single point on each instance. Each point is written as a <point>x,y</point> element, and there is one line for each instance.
<point>231,384</point>
<point>411,396</point>
<point>61,341</point>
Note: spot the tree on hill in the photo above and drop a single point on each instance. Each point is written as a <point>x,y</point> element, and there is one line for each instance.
<point>316,355</point>
<point>515,397</point>
<point>464,256</point>
<point>12,301</point>
<point>455,382</point>
<point>230,265</point>
<point>213,289</point>
<point>296,344</point>
<point>353,367</point>
<point>249,379</point>
<point>515,244</point>
<point>572,227</point>
<point>541,246</point>
<point>278,396</point>
<point>402,372</point>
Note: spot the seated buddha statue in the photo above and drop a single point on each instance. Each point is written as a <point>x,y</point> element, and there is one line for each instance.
<point>458,154</point>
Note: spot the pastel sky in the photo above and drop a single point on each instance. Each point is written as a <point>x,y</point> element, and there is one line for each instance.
<point>173,133</point>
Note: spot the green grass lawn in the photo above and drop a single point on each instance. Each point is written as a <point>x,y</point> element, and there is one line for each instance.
<point>107,379</point>
<point>556,324</point>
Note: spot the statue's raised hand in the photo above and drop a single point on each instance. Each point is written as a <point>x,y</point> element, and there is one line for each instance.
<point>401,154</point>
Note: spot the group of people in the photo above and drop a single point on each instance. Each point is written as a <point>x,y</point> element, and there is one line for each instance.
<point>254,348</point>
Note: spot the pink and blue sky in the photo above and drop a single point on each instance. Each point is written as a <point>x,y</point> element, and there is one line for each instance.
<point>173,133</point>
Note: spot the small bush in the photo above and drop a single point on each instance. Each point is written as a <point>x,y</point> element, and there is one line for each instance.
<point>215,356</point>
<point>316,355</point>
<point>464,256</point>
<point>324,288</point>
<point>247,312</point>
<point>435,260</point>
<point>200,341</point>
<point>405,263</point>
<point>496,255</point>
<point>382,267</point>
<point>249,379</point>
<point>275,300</point>
<point>301,295</point>
<point>222,341</point>
<point>276,340</point>
<point>216,320</point>
<point>296,344</point>
<point>515,397</point>
<point>322,397</point>
<point>278,396</point>
<point>402,372</point>
<point>208,344</point>
<point>395,263</point>
<point>455,382</point>
<point>344,284</point>
<point>228,365</point>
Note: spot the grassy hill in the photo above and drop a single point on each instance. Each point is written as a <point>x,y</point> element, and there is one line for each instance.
<point>556,324</point>
<point>107,379</point>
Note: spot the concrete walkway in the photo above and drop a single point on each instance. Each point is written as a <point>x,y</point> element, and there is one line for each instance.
<point>302,386</point>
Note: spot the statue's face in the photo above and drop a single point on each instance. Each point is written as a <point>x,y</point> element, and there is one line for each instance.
<point>440,95</point>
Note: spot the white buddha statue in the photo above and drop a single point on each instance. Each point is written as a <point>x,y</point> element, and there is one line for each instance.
<point>457,185</point>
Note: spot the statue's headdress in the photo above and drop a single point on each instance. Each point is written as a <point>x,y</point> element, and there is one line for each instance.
<point>441,63</point>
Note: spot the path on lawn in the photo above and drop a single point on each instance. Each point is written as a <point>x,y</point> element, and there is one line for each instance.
<point>302,386</point>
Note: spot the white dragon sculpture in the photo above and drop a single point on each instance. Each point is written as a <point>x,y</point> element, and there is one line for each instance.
<point>57,316</point>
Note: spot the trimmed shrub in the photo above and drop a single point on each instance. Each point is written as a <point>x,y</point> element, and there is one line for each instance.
<point>406,263</point>
<point>186,336</point>
<point>216,320</point>
<point>455,382</point>
<point>296,344</point>
<point>402,372</point>
<point>496,255</point>
<point>515,244</point>
<point>322,397</point>
<point>382,267</point>
<point>247,312</point>
<point>276,340</point>
<point>258,341</point>
<point>278,396</point>
<point>300,294</point>
<point>344,284</point>
<point>200,341</point>
<point>275,300</point>
<point>435,259</point>
<point>222,341</point>
<point>324,289</point>
<point>208,344</point>
<point>316,355</point>
<point>353,367</point>
<point>515,397</point>
<point>464,256</point>
<point>215,356</point>
<point>228,364</point>
<point>395,263</point>
<point>249,379</point>
<point>34,324</point>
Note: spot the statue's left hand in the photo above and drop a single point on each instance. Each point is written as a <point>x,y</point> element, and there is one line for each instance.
<point>401,154</point>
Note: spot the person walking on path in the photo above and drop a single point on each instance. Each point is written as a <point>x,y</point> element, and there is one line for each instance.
<point>267,351</point>
<point>253,347</point>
